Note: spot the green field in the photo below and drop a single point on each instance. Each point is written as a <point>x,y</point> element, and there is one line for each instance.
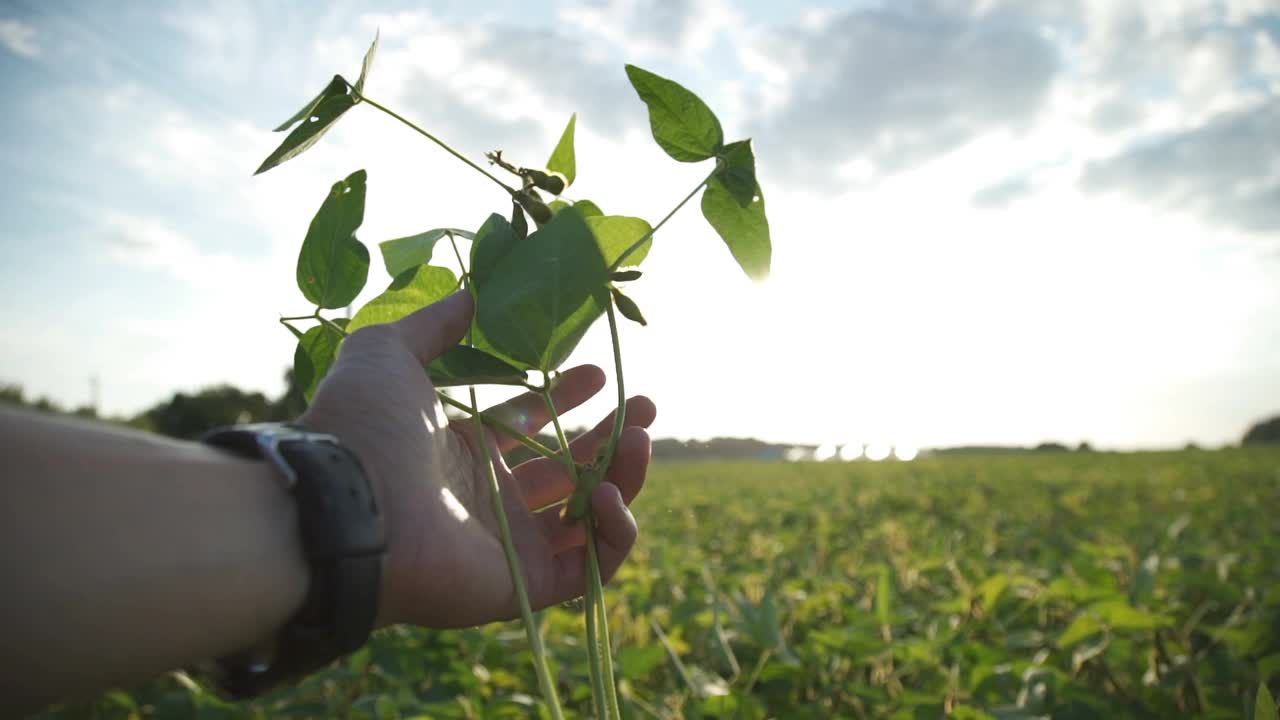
<point>1069,585</point>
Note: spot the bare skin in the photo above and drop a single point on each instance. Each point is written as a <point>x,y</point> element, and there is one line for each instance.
<point>126,555</point>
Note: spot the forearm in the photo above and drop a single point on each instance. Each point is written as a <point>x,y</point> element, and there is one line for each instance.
<point>125,555</point>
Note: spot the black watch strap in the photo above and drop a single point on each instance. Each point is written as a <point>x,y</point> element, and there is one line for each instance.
<point>344,538</point>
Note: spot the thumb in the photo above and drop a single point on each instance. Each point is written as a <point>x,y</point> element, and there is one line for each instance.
<point>437,327</point>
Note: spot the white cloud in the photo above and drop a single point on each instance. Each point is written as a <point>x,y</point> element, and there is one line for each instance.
<point>150,244</point>
<point>894,85</point>
<point>895,310</point>
<point>19,38</point>
<point>683,30</point>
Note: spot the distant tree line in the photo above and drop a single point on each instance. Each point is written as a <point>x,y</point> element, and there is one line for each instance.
<point>188,415</point>
<point>1266,432</point>
<point>185,415</point>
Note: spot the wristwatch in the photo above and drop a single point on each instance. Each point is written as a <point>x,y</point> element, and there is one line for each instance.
<point>344,538</point>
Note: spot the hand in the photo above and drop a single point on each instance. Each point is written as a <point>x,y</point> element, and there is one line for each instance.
<point>445,562</point>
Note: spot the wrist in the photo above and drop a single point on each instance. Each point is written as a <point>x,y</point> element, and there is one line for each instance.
<point>365,450</point>
<point>343,539</point>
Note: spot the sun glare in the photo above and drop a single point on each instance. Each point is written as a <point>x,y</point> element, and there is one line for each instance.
<point>825,452</point>
<point>851,451</point>
<point>905,452</point>
<point>878,451</point>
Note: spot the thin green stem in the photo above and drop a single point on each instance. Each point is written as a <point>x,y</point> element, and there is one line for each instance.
<point>755,671</point>
<point>510,190</point>
<point>312,316</point>
<point>531,628</point>
<point>505,429</point>
<point>601,612</point>
<point>462,267</point>
<point>594,580</point>
<point>636,245</point>
<point>594,594</point>
<point>292,329</point>
<point>675,658</point>
<point>620,415</point>
<point>517,576</point>
<point>331,325</point>
<point>593,650</point>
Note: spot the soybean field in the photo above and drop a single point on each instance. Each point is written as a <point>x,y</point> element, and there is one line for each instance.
<point>1062,585</point>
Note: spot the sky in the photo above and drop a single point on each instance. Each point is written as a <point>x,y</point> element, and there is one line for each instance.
<point>993,221</point>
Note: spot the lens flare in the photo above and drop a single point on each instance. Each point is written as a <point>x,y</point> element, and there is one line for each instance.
<point>851,451</point>
<point>878,451</point>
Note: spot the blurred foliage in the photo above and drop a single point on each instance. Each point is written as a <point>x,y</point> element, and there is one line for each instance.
<point>1063,585</point>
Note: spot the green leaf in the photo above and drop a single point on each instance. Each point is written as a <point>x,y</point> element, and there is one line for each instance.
<point>1114,614</point>
<point>1119,615</point>
<point>403,253</point>
<point>1084,625</point>
<point>332,265</point>
<point>368,63</point>
<point>627,307</point>
<point>616,233</point>
<point>637,661</point>
<point>562,158</point>
<point>682,124</point>
<point>409,292</point>
<point>737,172</point>
<point>316,121</point>
<point>625,275</point>
<point>491,243</point>
<point>991,589</point>
<point>337,86</point>
<point>744,230</point>
<point>538,301</point>
<point>1264,706</point>
<point>463,365</point>
<point>297,334</point>
<point>585,208</point>
<point>314,355</point>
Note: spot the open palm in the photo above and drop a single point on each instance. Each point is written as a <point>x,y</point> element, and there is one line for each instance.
<point>445,562</point>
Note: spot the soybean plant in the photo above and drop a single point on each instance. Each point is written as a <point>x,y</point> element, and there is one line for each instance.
<point>537,291</point>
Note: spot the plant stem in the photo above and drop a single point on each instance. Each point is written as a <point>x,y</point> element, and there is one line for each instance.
<point>602,620</point>
<point>595,584</point>
<point>510,190</point>
<point>331,325</point>
<point>531,629</point>
<point>675,659</point>
<point>462,267</point>
<point>593,648</point>
<point>619,415</point>
<point>595,592</point>
<point>755,671</point>
<point>636,245</point>
<point>497,424</point>
<point>517,576</point>
<point>312,316</point>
